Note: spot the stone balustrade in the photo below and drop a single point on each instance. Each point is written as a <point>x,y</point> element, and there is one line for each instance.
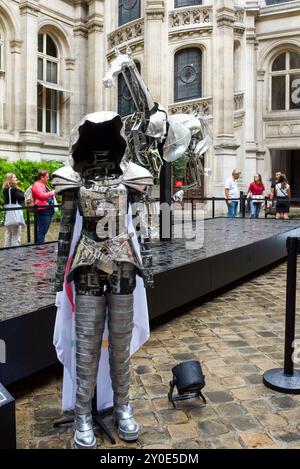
<point>194,106</point>
<point>129,33</point>
<point>190,17</point>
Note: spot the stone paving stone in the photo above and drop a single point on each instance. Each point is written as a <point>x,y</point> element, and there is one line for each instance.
<point>213,428</point>
<point>171,416</point>
<point>236,337</point>
<point>147,419</point>
<point>284,402</point>
<point>256,440</point>
<point>272,421</point>
<point>184,430</point>
<point>219,396</point>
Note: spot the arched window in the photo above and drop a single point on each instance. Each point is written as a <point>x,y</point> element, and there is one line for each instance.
<point>48,96</point>
<point>285,76</point>
<point>125,103</point>
<point>129,10</point>
<point>188,74</point>
<point>187,3</point>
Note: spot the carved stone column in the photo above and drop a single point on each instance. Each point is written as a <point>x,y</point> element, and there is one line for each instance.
<point>156,40</point>
<point>29,12</point>
<point>223,93</point>
<point>15,112</point>
<point>250,93</point>
<point>78,101</point>
<point>96,48</point>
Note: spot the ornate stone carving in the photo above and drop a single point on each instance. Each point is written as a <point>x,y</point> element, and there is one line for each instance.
<point>129,32</point>
<point>192,16</point>
<point>29,7</point>
<point>238,101</point>
<point>195,106</point>
<point>70,63</point>
<point>15,46</point>
<point>239,15</point>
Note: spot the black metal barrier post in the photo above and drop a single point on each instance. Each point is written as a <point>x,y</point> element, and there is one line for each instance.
<point>213,207</point>
<point>266,207</point>
<point>243,204</point>
<point>28,226</point>
<point>35,224</point>
<point>287,379</point>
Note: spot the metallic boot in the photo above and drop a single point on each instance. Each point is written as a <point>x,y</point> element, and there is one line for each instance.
<point>89,322</point>
<point>120,324</point>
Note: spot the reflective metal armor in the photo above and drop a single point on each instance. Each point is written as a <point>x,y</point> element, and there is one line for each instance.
<point>104,263</point>
<point>114,165</point>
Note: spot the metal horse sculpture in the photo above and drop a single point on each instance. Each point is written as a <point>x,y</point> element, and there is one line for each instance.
<point>152,135</point>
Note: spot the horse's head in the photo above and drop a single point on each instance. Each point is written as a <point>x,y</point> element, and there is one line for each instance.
<point>121,62</point>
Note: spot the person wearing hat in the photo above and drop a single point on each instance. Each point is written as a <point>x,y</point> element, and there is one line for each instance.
<point>232,192</point>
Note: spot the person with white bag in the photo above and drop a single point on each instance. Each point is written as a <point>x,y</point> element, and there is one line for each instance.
<point>14,218</point>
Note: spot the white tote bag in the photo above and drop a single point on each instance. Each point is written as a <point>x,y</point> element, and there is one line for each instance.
<point>13,217</point>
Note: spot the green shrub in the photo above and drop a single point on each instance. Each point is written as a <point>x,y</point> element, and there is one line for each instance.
<point>26,172</point>
<point>179,168</point>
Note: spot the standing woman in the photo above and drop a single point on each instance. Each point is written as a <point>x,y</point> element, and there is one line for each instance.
<point>12,195</point>
<point>43,198</point>
<point>256,195</point>
<point>283,196</point>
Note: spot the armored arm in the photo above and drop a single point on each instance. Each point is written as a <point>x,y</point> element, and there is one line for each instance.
<point>66,181</point>
<point>141,217</point>
<point>67,224</point>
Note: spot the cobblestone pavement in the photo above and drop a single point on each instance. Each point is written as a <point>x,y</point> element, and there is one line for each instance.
<point>236,336</point>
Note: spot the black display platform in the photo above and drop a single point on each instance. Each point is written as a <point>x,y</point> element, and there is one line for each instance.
<point>231,250</point>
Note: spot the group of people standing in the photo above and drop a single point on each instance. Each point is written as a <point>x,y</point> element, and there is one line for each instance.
<point>279,197</point>
<point>42,196</point>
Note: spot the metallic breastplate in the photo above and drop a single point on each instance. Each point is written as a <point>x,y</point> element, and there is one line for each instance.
<point>106,198</point>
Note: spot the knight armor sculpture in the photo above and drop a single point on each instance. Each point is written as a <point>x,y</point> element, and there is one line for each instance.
<point>105,261</point>
<point>114,165</point>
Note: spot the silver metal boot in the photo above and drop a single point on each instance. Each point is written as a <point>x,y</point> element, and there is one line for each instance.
<point>89,323</point>
<point>120,324</point>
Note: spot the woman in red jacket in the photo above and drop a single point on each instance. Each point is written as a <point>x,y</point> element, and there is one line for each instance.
<point>256,195</point>
<point>43,198</point>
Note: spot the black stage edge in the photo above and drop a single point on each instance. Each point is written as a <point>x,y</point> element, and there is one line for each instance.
<point>7,420</point>
<point>29,336</point>
<point>29,344</point>
<point>176,287</point>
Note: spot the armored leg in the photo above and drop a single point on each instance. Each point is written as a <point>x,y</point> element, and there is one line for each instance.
<point>89,321</point>
<point>120,323</point>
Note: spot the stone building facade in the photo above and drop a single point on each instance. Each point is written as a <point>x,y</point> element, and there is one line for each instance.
<point>237,61</point>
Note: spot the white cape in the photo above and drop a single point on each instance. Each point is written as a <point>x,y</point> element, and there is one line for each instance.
<point>64,333</point>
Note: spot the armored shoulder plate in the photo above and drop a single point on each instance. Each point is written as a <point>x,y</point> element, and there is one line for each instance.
<point>137,177</point>
<point>65,178</point>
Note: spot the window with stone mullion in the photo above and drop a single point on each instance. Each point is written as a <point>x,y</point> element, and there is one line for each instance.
<point>125,102</point>
<point>274,2</point>
<point>47,99</point>
<point>129,10</point>
<point>285,82</point>
<point>187,3</point>
<point>1,49</point>
<point>188,74</point>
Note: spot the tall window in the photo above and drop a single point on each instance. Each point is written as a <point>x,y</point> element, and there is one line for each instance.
<point>129,10</point>
<point>1,49</point>
<point>187,3</point>
<point>48,98</point>
<point>188,74</point>
<point>2,78</point>
<point>125,102</point>
<point>273,2</point>
<point>285,76</point>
